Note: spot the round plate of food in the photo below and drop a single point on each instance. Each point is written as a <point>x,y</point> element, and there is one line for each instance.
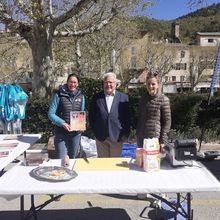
<point>53,173</point>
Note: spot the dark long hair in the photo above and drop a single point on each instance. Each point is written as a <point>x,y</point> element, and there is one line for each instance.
<point>72,75</point>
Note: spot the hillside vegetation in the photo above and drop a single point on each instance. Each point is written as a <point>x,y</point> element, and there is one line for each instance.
<point>202,20</point>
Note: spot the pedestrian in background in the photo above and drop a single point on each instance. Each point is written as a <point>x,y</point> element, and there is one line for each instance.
<point>109,118</point>
<point>68,98</point>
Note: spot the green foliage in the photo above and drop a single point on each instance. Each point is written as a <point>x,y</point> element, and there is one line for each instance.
<point>185,108</point>
<point>191,115</point>
<point>134,97</point>
<point>190,25</point>
<point>36,120</point>
<point>212,113</point>
<point>214,9</point>
<point>159,29</point>
<point>90,87</point>
<point>202,20</point>
<point>210,134</point>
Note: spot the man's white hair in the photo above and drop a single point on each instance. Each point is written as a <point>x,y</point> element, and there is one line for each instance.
<point>110,74</point>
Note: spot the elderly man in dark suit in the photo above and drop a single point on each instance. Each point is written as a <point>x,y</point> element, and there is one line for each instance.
<point>109,118</point>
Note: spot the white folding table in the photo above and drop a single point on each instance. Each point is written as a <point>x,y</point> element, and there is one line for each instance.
<point>24,142</point>
<point>186,180</point>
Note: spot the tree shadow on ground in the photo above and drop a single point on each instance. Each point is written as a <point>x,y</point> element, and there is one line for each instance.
<point>213,166</point>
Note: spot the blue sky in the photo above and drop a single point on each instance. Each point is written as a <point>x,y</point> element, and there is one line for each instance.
<point>172,9</point>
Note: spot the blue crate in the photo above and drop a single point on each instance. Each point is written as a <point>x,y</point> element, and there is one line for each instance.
<point>129,150</point>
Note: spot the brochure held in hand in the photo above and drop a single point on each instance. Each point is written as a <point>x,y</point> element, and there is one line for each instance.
<point>78,120</point>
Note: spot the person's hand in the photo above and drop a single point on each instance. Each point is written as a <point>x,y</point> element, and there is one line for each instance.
<point>162,150</point>
<point>66,126</point>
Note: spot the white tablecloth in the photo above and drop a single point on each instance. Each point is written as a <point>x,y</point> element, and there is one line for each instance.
<point>17,181</point>
<point>23,144</point>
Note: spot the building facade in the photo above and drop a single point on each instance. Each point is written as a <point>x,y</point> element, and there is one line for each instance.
<point>192,65</point>
<point>204,39</point>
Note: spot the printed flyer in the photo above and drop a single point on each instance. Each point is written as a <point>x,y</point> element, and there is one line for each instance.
<point>78,120</point>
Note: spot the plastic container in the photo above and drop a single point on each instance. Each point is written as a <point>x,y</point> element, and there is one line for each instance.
<point>129,150</point>
<point>139,157</point>
<point>35,159</point>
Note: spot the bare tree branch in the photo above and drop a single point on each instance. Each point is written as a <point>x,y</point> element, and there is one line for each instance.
<point>76,9</point>
<point>88,30</point>
<point>158,58</point>
<point>196,3</point>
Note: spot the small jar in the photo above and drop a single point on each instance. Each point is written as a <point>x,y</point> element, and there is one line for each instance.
<point>66,161</point>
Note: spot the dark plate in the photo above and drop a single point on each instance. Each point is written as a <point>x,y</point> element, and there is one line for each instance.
<point>53,173</point>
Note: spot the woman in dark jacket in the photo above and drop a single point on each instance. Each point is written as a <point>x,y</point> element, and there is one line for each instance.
<point>68,98</point>
<point>154,113</point>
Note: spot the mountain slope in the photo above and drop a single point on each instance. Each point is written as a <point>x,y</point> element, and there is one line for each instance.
<point>202,20</point>
<point>211,10</point>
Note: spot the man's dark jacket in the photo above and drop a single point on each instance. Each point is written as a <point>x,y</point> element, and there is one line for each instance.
<point>113,124</point>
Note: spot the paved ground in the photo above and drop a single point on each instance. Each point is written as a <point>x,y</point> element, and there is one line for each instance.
<point>206,206</point>
<point>104,207</point>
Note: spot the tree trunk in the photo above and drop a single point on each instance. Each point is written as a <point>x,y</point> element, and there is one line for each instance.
<point>78,56</point>
<point>44,76</point>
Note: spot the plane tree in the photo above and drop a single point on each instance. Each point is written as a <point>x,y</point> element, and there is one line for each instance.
<point>40,21</point>
<point>201,63</point>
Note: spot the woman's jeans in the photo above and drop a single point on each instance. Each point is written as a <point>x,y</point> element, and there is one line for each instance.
<point>67,145</point>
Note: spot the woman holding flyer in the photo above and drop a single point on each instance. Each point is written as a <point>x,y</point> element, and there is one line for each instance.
<point>154,113</point>
<point>67,102</point>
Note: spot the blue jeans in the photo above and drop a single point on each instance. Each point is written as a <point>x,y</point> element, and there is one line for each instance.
<point>67,145</point>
